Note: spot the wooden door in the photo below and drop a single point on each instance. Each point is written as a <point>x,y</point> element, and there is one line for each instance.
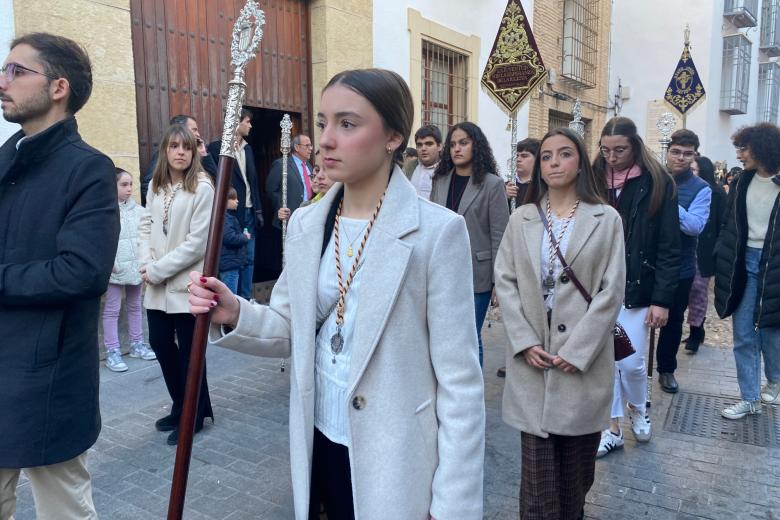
<point>181,50</point>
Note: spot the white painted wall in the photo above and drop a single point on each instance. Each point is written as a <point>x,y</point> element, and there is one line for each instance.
<point>6,35</point>
<point>392,44</point>
<point>646,46</point>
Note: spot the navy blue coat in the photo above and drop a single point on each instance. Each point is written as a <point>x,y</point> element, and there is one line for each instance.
<point>233,255</point>
<point>237,181</point>
<point>59,227</point>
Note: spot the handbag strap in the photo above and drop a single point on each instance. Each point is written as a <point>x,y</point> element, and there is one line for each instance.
<point>566,268</point>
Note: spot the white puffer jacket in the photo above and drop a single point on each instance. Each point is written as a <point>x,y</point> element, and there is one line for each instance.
<point>127,262</point>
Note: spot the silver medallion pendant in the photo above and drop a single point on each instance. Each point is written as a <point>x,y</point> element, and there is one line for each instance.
<point>336,343</point>
<point>549,282</point>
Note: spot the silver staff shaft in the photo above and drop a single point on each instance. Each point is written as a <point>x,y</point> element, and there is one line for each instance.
<point>286,125</point>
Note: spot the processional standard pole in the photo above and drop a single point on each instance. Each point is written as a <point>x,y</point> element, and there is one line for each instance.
<point>665,125</point>
<point>513,157</point>
<point>247,33</point>
<point>286,125</point>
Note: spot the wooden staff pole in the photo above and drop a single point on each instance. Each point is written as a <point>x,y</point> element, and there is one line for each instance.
<point>247,34</point>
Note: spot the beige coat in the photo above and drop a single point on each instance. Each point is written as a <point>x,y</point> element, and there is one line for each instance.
<point>170,258</point>
<point>486,212</point>
<point>541,402</point>
<point>416,406</point>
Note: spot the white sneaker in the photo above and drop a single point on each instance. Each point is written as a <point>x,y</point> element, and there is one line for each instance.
<point>741,409</point>
<point>770,394</point>
<point>114,361</point>
<point>609,442</point>
<point>139,349</point>
<point>640,424</point>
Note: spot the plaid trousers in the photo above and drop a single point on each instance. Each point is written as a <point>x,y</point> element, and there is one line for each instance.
<point>556,474</point>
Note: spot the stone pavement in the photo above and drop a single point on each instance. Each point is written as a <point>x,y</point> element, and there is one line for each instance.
<point>240,465</point>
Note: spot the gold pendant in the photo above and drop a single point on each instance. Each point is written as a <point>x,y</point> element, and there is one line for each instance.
<point>349,251</point>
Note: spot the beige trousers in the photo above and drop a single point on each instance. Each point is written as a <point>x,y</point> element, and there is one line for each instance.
<point>61,491</point>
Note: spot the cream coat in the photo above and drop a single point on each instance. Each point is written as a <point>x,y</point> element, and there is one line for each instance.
<point>126,264</point>
<point>170,258</point>
<point>416,405</point>
<point>542,402</point>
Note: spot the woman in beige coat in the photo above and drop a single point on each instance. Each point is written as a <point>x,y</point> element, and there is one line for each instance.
<point>173,238</point>
<point>375,308</point>
<point>560,357</point>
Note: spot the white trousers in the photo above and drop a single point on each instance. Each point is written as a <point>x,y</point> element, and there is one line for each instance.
<point>61,491</point>
<point>631,372</point>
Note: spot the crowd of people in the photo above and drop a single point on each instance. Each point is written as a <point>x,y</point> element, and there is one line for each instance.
<point>392,261</point>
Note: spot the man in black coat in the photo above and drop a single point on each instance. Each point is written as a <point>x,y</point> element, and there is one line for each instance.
<point>59,226</point>
<point>299,187</point>
<point>250,208</point>
<point>206,161</point>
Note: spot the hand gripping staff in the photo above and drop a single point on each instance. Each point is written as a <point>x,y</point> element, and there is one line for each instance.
<point>247,33</point>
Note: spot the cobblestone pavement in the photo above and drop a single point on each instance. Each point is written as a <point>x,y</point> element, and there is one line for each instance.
<point>240,464</point>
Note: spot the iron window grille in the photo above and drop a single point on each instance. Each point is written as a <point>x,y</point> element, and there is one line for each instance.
<point>445,86</point>
<point>736,74</point>
<point>768,92</point>
<point>770,27</point>
<point>742,13</point>
<point>580,42</point>
<point>556,119</point>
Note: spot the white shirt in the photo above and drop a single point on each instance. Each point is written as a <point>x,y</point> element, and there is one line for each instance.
<point>761,195</point>
<point>422,179</point>
<point>241,159</point>
<point>563,243</point>
<point>331,380</point>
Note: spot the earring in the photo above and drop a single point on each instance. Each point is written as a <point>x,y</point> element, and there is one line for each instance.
<point>389,150</point>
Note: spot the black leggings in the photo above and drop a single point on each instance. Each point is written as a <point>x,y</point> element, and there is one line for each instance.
<point>174,360</point>
<point>331,482</point>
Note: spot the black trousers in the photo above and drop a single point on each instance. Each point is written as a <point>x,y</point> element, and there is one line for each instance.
<point>670,335</point>
<point>175,359</point>
<point>331,481</point>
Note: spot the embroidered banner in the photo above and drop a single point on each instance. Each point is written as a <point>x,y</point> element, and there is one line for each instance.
<point>685,89</point>
<point>515,65</point>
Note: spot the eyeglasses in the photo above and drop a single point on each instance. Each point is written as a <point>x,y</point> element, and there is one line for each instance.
<point>620,151</point>
<point>12,70</point>
<point>679,153</point>
<point>741,149</point>
<point>306,145</point>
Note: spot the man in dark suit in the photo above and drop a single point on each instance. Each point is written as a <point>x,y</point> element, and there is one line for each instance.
<point>206,161</point>
<point>59,226</point>
<point>250,209</point>
<point>299,188</point>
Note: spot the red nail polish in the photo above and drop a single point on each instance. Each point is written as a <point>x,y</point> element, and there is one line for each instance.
<point>216,297</point>
<point>202,279</point>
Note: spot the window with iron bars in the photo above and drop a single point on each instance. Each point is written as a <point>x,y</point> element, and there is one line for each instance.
<point>556,119</point>
<point>736,74</point>
<point>444,86</point>
<point>580,41</point>
<point>770,27</point>
<point>742,13</point>
<point>768,92</point>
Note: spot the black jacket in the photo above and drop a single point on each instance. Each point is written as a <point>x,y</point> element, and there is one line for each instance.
<point>705,260</point>
<point>233,253</point>
<point>237,181</point>
<point>652,243</point>
<point>730,273</point>
<point>295,188</point>
<point>59,226</point>
<point>209,166</point>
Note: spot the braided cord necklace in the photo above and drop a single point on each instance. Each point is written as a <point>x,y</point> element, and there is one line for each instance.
<point>167,201</point>
<point>549,280</point>
<point>337,340</point>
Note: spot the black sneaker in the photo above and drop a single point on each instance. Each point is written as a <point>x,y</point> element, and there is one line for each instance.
<point>167,423</point>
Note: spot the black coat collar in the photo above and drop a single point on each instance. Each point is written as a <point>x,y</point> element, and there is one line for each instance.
<point>38,147</point>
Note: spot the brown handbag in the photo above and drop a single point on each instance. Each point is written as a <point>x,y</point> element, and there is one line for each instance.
<point>623,346</point>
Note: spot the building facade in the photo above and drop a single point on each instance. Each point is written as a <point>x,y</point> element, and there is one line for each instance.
<point>734,44</point>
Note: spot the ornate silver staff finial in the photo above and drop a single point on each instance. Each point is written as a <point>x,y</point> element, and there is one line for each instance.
<point>665,125</point>
<point>577,125</point>
<point>247,33</point>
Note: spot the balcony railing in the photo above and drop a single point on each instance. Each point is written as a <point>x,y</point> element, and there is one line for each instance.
<point>741,13</point>
<point>770,27</point>
<point>735,81</point>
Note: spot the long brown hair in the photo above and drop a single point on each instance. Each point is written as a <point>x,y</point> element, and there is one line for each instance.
<point>589,187</point>
<point>643,158</point>
<point>161,177</point>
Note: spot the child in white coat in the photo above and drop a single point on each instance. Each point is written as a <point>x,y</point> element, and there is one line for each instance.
<point>125,275</point>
